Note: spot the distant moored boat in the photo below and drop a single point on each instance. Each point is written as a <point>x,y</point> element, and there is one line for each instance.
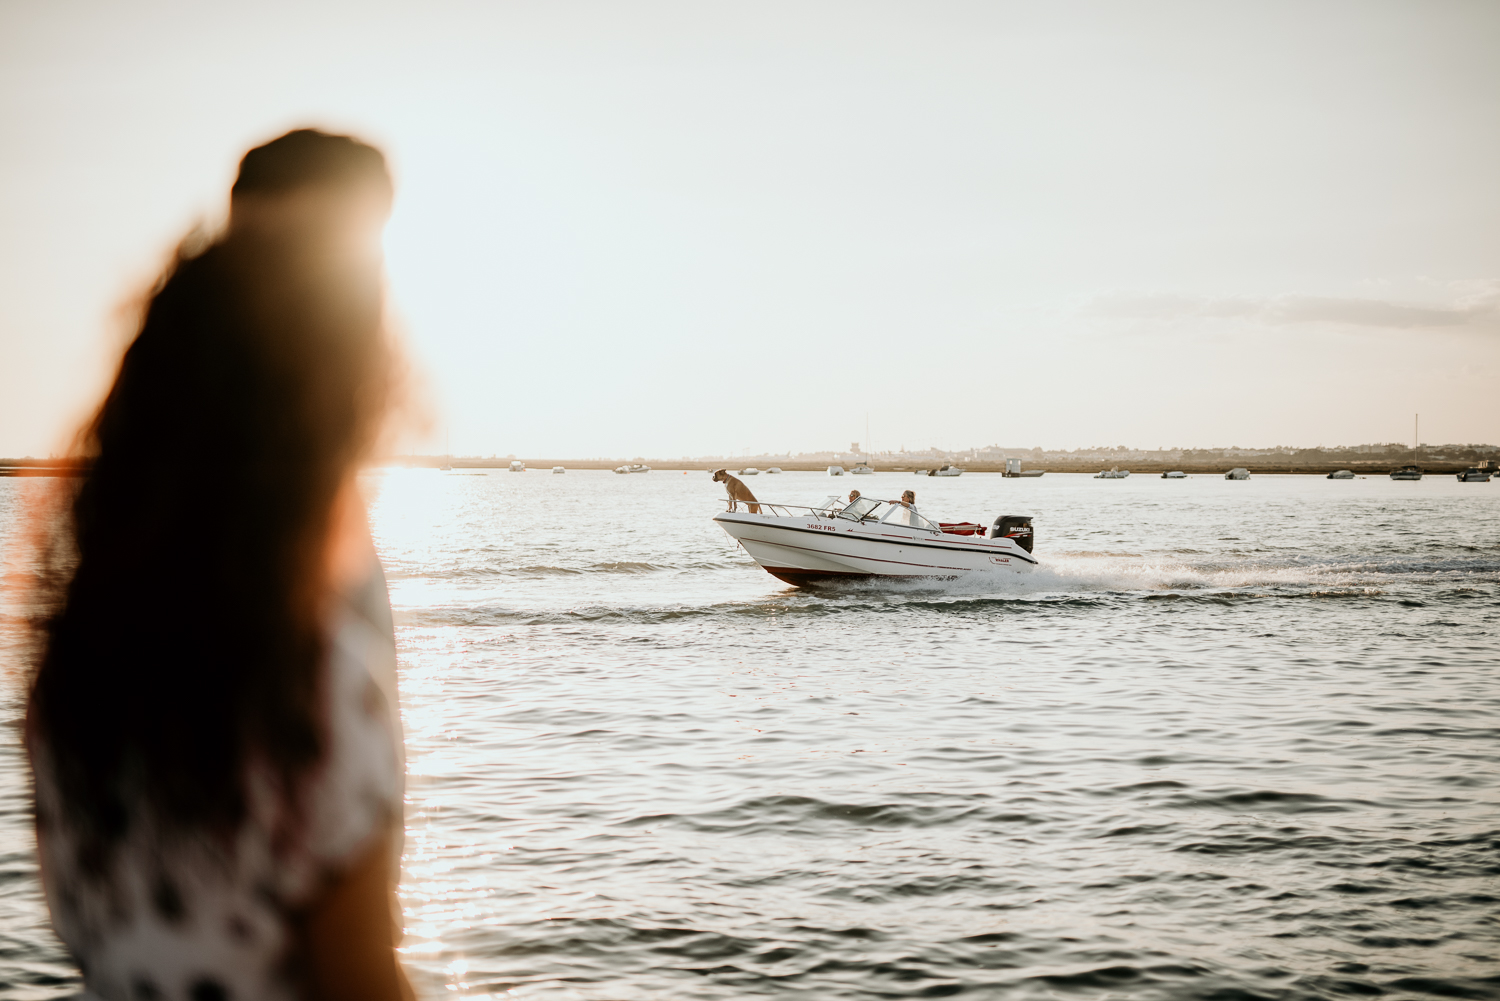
<point>1407,473</point>
<point>835,470</point>
<point>1013,468</point>
<point>1237,473</point>
<point>1175,474</point>
<point>1114,473</point>
<point>1474,475</point>
<point>1342,474</point>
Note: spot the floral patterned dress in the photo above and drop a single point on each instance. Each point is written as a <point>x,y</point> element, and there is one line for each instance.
<point>190,919</point>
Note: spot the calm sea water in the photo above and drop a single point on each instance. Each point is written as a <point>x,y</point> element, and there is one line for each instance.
<point>1232,740</point>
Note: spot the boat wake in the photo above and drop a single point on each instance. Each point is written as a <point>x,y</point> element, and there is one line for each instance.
<point>1071,581</point>
<point>1121,574</point>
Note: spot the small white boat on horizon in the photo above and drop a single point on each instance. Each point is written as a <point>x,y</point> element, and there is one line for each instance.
<point>862,470</point>
<point>773,469</point>
<point>1175,474</point>
<point>946,470</point>
<point>518,466</point>
<point>749,471</point>
<point>1407,473</point>
<point>1341,474</point>
<point>1013,469</point>
<point>559,469</point>
<point>1114,473</point>
<point>835,470</point>
<point>1237,473</point>
<point>633,467</point>
<point>869,538</point>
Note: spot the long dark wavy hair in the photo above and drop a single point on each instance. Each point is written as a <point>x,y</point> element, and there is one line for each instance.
<point>180,633</point>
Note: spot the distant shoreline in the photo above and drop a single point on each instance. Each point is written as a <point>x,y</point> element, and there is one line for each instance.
<point>68,467</point>
<point>1093,466</point>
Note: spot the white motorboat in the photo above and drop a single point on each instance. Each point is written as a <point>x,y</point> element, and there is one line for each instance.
<point>1013,468</point>
<point>1341,474</point>
<point>835,470</point>
<point>518,466</point>
<point>1114,473</point>
<point>773,469</point>
<point>1237,473</point>
<point>633,467</point>
<point>559,469</point>
<point>1175,474</point>
<point>749,471</point>
<point>862,470</point>
<point>1474,476</point>
<point>946,471</point>
<point>870,538</point>
<point>1407,473</point>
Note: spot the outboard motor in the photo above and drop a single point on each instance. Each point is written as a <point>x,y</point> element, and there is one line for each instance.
<point>1014,527</point>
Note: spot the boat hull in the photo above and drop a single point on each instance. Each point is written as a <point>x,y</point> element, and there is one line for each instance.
<point>812,551</point>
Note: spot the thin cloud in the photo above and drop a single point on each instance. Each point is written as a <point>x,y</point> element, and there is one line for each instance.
<point>1476,303</point>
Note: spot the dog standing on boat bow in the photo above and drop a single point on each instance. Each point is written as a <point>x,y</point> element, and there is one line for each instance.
<point>737,491</point>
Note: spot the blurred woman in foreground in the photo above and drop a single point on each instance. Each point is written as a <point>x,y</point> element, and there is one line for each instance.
<point>211,724</point>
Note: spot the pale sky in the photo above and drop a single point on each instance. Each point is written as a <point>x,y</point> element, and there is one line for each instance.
<point>641,228</point>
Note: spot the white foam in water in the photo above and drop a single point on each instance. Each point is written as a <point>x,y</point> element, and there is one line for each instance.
<point>1104,574</point>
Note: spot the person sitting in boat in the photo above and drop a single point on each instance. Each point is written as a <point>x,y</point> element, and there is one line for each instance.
<point>908,514</point>
<point>853,496</point>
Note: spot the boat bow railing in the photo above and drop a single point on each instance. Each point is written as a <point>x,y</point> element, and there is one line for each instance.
<point>782,510</point>
<point>828,512</point>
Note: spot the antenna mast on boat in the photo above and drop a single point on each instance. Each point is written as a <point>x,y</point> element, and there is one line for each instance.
<point>1416,437</point>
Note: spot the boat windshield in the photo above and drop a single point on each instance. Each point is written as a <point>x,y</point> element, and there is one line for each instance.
<point>899,515</point>
<point>827,508</point>
<point>860,508</point>
<point>869,509</point>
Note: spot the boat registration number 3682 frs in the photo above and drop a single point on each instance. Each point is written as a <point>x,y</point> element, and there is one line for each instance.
<point>823,528</point>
